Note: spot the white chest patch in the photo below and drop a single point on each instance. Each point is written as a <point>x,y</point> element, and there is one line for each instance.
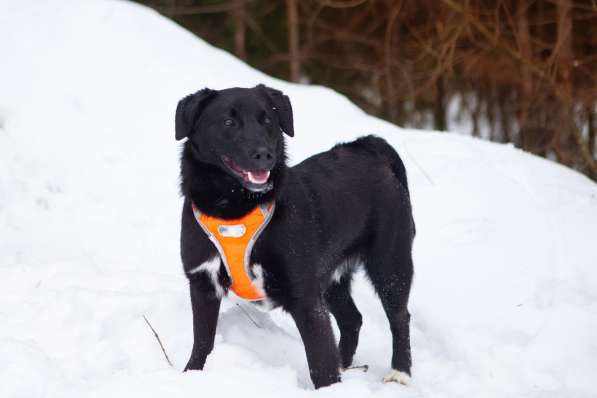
<point>339,272</point>
<point>257,270</point>
<point>266,304</point>
<point>211,268</point>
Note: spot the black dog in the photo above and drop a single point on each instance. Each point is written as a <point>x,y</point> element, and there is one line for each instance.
<point>334,211</point>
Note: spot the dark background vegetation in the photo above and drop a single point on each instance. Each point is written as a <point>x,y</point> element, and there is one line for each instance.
<point>523,72</point>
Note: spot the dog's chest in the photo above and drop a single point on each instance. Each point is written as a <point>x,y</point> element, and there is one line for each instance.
<point>222,281</point>
<point>234,240</point>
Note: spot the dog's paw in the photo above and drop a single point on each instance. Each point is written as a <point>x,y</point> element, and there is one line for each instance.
<point>194,364</point>
<point>398,377</point>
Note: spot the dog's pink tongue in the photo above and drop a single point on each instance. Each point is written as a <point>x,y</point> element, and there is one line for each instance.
<point>258,176</point>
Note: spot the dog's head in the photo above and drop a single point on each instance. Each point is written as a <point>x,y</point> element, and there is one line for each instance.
<point>239,130</point>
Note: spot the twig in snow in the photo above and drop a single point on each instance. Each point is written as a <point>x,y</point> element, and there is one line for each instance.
<point>249,316</point>
<point>159,341</point>
<point>364,368</point>
<point>417,164</point>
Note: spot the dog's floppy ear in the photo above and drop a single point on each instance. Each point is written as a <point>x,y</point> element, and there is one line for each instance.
<point>281,104</point>
<point>188,110</point>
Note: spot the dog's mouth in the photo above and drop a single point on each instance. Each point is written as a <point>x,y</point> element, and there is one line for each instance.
<point>253,180</point>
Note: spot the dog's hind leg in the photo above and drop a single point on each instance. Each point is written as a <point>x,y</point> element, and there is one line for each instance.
<point>347,316</point>
<point>390,269</point>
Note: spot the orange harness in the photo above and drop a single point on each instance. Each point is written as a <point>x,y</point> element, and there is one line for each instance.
<point>234,240</point>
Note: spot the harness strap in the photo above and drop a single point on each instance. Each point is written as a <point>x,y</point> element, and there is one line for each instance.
<point>234,240</point>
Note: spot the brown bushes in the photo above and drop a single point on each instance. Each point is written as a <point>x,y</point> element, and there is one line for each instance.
<point>520,71</point>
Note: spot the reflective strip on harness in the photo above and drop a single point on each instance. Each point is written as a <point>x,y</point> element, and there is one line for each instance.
<point>234,240</point>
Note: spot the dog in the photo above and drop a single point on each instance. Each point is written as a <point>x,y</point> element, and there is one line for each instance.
<point>335,211</point>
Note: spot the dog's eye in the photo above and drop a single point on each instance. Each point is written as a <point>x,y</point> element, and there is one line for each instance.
<point>267,120</point>
<point>229,122</point>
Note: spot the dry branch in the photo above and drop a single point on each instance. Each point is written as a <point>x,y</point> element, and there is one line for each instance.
<point>159,341</point>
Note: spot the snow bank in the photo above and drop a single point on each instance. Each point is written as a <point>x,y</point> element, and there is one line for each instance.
<point>505,294</point>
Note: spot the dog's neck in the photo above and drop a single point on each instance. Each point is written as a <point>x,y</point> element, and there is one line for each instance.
<point>217,193</point>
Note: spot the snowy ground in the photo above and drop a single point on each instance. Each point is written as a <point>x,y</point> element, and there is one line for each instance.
<point>505,296</point>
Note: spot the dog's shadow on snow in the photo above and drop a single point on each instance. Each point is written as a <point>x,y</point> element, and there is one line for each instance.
<point>256,331</point>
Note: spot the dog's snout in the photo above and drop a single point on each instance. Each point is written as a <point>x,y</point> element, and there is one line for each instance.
<point>263,157</point>
<point>262,153</point>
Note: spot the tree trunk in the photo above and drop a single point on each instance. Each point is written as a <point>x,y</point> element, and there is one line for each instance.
<point>490,100</point>
<point>592,128</point>
<point>293,40</point>
<point>477,98</point>
<point>239,30</point>
<point>565,148</point>
<point>525,89</point>
<point>392,109</point>
<point>439,115</point>
<point>503,99</point>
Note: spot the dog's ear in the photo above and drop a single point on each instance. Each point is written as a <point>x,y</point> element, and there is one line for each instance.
<point>281,104</point>
<point>188,110</point>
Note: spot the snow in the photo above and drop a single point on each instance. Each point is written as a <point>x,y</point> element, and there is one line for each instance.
<point>505,295</point>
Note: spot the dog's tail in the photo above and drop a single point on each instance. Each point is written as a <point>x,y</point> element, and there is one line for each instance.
<point>381,148</point>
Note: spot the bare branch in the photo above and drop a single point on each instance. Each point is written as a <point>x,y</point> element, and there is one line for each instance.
<point>159,341</point>
<point>201,9</point>
<point>342,4</point>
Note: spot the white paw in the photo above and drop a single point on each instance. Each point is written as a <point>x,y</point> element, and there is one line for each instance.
<point>397,376</point>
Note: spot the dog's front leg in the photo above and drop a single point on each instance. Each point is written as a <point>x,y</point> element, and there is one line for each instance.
<point>206,306</point>
<point>315,328</point>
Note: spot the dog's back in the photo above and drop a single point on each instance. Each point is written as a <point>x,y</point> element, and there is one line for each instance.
<point>353,186</point>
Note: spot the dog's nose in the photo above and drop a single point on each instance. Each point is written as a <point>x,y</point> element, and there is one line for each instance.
<point>263,157</point>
